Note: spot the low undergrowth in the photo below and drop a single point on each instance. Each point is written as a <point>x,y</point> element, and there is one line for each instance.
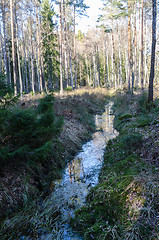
<point>124,205</point>
<point>27,134</point>
<point>43,144</point>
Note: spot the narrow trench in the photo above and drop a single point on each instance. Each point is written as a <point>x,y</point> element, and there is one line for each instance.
<point>80,175</point>
<point>71,190</point>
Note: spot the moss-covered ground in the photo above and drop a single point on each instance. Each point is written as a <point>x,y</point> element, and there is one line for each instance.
<point>125,203</point>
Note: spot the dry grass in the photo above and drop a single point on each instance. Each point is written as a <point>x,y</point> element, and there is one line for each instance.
<point>77,108</point>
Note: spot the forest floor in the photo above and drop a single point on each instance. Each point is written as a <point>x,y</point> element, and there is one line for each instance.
<point>125,203</point>
<point>19,182</point>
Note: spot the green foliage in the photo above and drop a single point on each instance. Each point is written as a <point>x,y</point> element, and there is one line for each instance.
<point>144,106</point>
<point>4,88</point>
<point>49,42</point>
<point>125,116</point>
<point>80,35</point>
<point>29,134</point>
<point>46,104</point>
<point>68,89</point>
<point>6,94</point>
<point>132,141</point>
<point>143,103</point>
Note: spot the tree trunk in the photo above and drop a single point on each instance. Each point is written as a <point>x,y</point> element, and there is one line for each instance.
<point>74,24</point>
<point>98,67</point>
<point>38,48</point>
<point>104,62</point>
<point>32,72</point>
<point>19,68</point>
<point>70,62</point>
<point>25,62</point>
<point>152,70</point>
<point>61,73</point>
<point>126,66</point>
<point>87,70</point>
<point>107,70</point>
<point>145,78</point>
<point>13,46</point>
<point>129,45</point>
<point>120,62</point>
<point>142,44</point>
<point>135,48</point>
<point>90,70</point>
<point>6,63</point>
<point>139,49</point>
<point>113,55</point>
<point>95,74</point>
<point>10,80</point>
<point>65,42</point>
<point>2,52</point>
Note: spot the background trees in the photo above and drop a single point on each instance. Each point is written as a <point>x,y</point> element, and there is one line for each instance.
<point>116,54</point>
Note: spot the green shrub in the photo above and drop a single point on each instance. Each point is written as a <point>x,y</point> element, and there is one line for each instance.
<point>132,141</point>
<point>45,104</point>
<point>27,133</point>
<point>124,116</point>
<point>68,89</point>
<point>6,94</point>
<point>143,105</point>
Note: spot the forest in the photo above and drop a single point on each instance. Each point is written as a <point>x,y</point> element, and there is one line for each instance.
<point>79,120</point>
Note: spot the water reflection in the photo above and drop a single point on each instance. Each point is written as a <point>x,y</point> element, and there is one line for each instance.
<point>70,192</point>
<point>76,170</point>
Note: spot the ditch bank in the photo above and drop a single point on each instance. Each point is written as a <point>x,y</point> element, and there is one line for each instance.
<point>22,182</point>
<point>124,205</point>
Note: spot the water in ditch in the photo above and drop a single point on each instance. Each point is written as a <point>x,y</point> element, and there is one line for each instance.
<point>80,175</point>
<point>69,193</point>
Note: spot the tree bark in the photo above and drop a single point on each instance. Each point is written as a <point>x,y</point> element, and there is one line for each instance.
<point>25,62</point>
<point>86,61</point>
<point>120,62</point>
<point>129,45</point>
<point>70,62</point>
<point>153,48</point>
<point>145,78</point>
<point>19,67</point>
<point>38,48</point>
<point>13,46</point>
<point>61,73</point>
<point>1,52</point>
<point>108,70</point>
<point>135,48</point>
<point>6,63</point>
<point>113,55</point>
<point>142,44</point>
<point>74,23</point>
<point>65,42</point>
<point>95,71</point>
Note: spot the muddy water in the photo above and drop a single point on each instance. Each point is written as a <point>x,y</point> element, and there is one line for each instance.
<point>80,175</point>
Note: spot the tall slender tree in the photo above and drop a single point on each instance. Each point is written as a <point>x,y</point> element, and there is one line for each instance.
<point>13,45</point>
<point>153,48</point>
<point>39,48</point>
<point>142,44</point>
<point>61,70</point>
<point>6,63</point>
